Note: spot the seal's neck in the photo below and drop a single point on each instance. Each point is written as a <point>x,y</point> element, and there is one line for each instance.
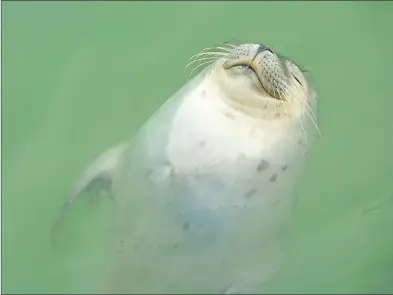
<point>258,107</point>
<point>260,114</point>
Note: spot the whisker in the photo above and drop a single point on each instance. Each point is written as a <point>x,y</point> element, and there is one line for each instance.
<point>314,123</point>
<point>300,118</point>
<point>205,54</point>
<point>230,44</point>
<point>285,87</point>
<point>208,55</point>
<point>237,41</point>
<point>282,100</point>
<point>305,134</point>
<point>223,48</point>
<point>213,51</point>
<point>313,116</point>
<point>200,59</point>
<point>211,68</point>
<point>310,108</point>
<point>303,94</point>
<point>201,64</point>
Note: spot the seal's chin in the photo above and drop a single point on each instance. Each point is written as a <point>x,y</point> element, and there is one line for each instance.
<point>245,79</point>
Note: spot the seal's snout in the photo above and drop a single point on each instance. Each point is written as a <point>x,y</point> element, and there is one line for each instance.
<point>263,47</point>
<point>247,54</point>
<point>265,64</point>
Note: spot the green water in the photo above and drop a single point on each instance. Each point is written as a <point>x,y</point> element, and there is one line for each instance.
<point>79,77</point>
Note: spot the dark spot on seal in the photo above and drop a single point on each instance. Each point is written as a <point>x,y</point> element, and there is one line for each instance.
<point>250,193</point>
<point>299,141</point>
<point>121,230</point>
<point>202,143</point>
<point>285,167</point>
<point>186,226</point>
<point>122,242</point>
<point>263,165</point>
<point>229,115</point>
<point>203,93</point>
<point>273,178</point>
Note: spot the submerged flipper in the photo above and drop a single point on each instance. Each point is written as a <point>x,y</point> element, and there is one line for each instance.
<point>96,178</point>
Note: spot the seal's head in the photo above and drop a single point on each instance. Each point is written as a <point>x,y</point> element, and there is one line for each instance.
<point>263,84</point>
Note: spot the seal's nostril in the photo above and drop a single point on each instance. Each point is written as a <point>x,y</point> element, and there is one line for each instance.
<point>262,48</point>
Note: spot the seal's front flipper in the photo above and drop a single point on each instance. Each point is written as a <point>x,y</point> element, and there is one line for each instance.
<point>102,184</point>
<point>99,174</point>
<point>95,180</point>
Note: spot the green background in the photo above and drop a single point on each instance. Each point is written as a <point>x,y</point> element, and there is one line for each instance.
<point>79,77</point>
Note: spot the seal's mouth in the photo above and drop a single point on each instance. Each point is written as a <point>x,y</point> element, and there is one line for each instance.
<point>247,68</point>
<point>269,86</point>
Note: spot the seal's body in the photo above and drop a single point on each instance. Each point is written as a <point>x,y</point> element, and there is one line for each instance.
<point>207,182</point>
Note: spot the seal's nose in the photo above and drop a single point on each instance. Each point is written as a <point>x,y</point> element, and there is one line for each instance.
<point>262,48</point>
<point>250,55</point>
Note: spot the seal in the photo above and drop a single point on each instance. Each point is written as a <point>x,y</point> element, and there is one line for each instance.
<point>206,184</point>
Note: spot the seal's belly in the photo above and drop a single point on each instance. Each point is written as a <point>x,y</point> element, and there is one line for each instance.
<point>195,247</point>
<point>199,232</point>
